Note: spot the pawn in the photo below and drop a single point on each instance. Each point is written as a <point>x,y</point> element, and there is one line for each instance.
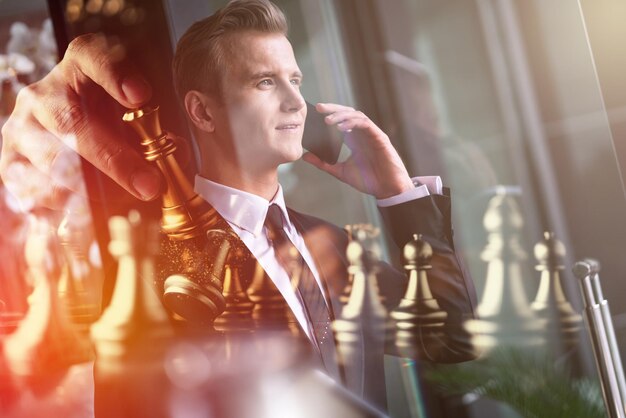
<point>135,322</point>
<point>550,302</point>
<point>419,319</point>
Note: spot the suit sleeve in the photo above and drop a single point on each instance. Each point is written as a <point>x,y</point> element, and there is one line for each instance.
<point>449,279</point>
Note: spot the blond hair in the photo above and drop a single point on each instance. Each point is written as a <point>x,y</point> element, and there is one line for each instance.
<point>199,60</point>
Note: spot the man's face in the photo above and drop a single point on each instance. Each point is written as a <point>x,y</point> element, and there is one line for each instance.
<point>262,113</point>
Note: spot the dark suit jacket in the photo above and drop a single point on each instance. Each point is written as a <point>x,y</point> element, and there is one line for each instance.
<point>450,282</point>
<point>449,279</point>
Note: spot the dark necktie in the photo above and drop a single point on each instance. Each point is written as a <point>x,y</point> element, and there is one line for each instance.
<point>307,289</point>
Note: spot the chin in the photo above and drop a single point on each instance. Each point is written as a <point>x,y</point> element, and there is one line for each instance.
<point>292,155</point>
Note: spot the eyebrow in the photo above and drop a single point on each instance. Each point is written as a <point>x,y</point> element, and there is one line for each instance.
<point>270,74</point>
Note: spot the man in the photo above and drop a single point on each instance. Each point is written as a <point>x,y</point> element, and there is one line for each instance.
<point>237,77</point>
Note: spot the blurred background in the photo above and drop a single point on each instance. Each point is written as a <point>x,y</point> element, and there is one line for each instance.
<point>516,98</point>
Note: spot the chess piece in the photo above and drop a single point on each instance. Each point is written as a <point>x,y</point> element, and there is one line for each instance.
<point>505,314</point>
<point>134,333</point>
<point>367,235</point>
<point>418,318</point>
<point>45,343</point>
<point>196,262</point>
<point>80,280</point>
<point>361,330</point>
<point>270,311</point>
<point>135,318</point>
<point>238,313</point>
<point>550,303</point>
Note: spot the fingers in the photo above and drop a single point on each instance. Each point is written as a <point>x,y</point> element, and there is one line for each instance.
<point>47,154</point>
<point>30,189</point>
<point>331,108</point>
<point>346,119</point>
<point>68,114</point>
<point>93,57</point>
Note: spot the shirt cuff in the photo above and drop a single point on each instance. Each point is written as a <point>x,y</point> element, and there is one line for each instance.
<point>424,186</point>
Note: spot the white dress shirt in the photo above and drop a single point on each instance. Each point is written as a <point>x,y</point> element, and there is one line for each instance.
<point>245,213</point>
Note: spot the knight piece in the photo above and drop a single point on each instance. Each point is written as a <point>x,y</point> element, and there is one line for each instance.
<point>550,303</point>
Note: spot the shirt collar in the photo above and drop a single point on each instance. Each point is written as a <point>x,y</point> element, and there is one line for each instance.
<point>242,209</point>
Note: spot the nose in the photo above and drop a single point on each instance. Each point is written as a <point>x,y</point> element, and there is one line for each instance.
<point>293,100</point>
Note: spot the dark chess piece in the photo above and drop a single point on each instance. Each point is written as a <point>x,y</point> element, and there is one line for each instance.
<point>550,304</point>
<point>418,318</point>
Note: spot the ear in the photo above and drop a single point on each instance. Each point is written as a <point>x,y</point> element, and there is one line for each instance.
<point>198,107</point>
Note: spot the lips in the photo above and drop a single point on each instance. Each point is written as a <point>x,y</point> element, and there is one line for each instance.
<point>288,126</point>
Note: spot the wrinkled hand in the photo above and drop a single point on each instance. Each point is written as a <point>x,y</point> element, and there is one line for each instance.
<point>69,114</point>
<point>374,166</point>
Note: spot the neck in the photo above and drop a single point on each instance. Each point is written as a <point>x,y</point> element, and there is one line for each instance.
<point>263,183</point>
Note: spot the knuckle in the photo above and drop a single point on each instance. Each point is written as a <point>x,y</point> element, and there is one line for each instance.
<point>111,158</point>
<point>80,44</point>
<point>7,132</point>
<point>69,119</point>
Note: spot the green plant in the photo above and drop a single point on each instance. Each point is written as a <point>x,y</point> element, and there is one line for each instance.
<point>531,383</point>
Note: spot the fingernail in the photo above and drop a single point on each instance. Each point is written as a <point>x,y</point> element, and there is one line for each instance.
<point>136,89</point>
<point>146,183</point>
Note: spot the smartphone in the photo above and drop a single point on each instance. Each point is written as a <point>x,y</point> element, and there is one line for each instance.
<point>322,140</point>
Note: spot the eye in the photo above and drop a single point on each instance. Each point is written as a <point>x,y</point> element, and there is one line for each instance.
<point>296,81</point>
<point>266,82</point>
